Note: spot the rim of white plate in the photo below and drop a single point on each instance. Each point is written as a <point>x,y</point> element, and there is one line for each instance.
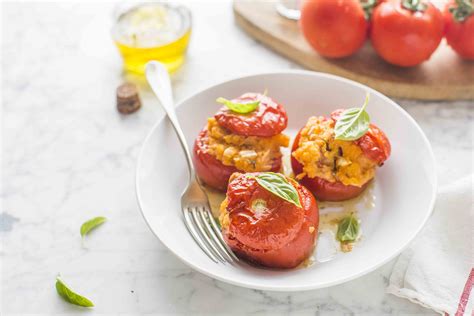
<point>295,288</point>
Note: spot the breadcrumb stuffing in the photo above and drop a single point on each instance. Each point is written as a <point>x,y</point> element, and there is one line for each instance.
<point>334,160</point>
<point>224,219</point>
<point>246,153</point>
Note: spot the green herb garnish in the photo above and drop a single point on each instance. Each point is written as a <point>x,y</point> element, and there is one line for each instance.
<point>348,229</point>
<point>353,123</point>
<point>70,296</point>
<point>91,224</point>
<point>278,185</point>
<point>241,108</point>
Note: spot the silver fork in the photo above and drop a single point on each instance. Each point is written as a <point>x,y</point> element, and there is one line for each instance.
<point>197,214</point>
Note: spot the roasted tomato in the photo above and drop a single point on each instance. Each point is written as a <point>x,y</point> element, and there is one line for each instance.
<point>459,27</point>
<point>406,33</point>
<point>211,170</point>
<point>336,170</point>
<point>322,189</point>
<point>334,29</point>
<point>220,151</point>
<point>374,143</point>
<point>265,229</point>
<point>268,120</point>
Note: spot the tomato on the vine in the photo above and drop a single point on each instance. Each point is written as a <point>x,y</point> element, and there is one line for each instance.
<point>406,32</point>
<point>459,27</point>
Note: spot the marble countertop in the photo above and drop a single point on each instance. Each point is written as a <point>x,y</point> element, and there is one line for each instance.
<point>68,155</point>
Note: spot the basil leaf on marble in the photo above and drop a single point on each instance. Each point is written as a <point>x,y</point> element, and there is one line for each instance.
<point>91,224</point>
<point>353,123</point>
<point>70,296</point>
<point>242,108</point>
<point>278,185</point>
<point>348,229</point>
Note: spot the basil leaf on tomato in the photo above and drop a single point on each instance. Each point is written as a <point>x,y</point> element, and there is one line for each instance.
<point>241,108</point>
<point>278,185</point>
<point>353,123</point>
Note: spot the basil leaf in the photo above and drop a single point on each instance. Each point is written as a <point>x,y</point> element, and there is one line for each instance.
<point>242,108</point>
<point>91,224</point>
<point>70,296</point>
<point>353,123</point>
<point>278,185</point>
<point>348,229</point>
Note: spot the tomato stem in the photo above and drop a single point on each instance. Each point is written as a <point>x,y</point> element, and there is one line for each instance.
<point>462,10</point>
<point>368,7</point>
<point>414,5</point>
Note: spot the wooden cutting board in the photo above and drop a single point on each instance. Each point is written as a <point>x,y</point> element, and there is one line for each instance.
<point>444,77</point>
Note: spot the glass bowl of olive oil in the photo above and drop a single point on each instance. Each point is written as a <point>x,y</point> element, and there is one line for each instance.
<point>152,31</point>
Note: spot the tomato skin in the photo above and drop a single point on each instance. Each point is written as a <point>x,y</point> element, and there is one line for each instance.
<point>322,189</point>
<point>403,37</point>
<point>374,144</point>
<point>369,21</point>
<point>211,170</point>
<point>334,28</point>
<point>459,35</point>
<point>268,120</point>
<point>208,168</point>
<point>282,236</point>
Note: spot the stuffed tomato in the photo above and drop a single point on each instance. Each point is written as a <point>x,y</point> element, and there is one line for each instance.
<point>265,226</point>
<point>245,135</point>
<point>334,169</point>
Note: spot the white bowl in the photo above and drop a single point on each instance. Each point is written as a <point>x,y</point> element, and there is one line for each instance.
<point>404,188</point>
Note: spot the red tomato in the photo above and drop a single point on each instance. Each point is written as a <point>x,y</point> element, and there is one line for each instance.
<point>369,7</point>
<point>374,144</point>
<point>406,37</point>
<point>460,32</point>
<point>211,170</point>
<point>269,119</point>
<point>322,189</point>
<point>280,234</point>
<point>334,28</point>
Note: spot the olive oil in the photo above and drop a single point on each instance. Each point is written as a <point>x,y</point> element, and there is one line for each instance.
<point>153,31</point>
<point>215,199</point>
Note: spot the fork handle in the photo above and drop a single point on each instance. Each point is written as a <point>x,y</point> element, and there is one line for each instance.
<point>159,81</point>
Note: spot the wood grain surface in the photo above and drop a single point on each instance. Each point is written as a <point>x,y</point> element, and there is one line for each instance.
<point>444,77</point>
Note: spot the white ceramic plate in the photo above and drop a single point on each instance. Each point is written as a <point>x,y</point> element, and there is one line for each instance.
<point>404,189</point>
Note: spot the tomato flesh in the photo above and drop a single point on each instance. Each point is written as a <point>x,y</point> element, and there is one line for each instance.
<point>280,234</point>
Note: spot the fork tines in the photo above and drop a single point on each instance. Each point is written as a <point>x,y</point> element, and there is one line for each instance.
<point>203,228</point>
